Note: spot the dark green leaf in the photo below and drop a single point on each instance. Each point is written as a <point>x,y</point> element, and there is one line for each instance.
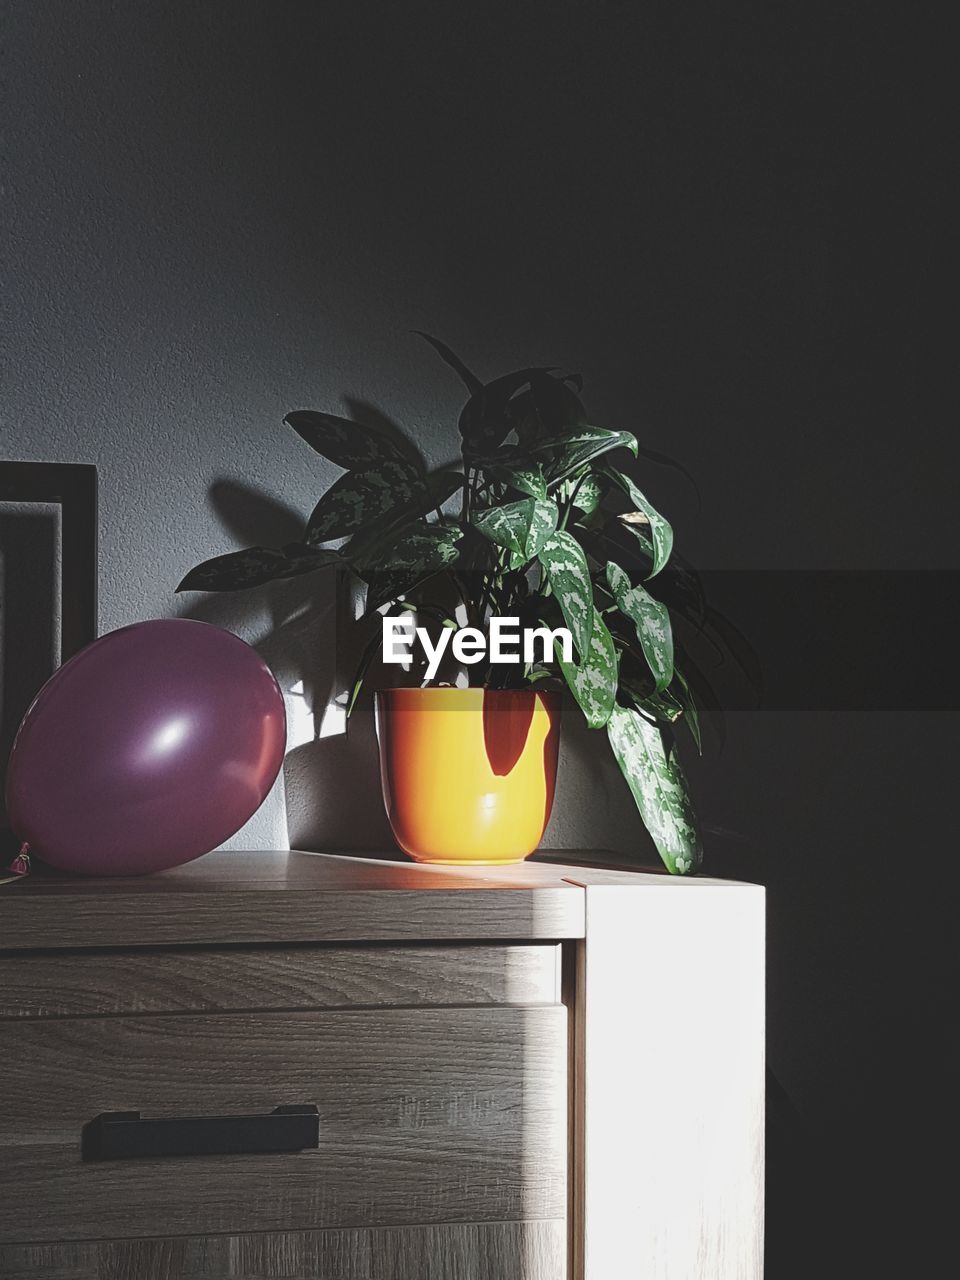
<point>656,780</point>
<point>680,588</point>
<point>443,616</point>
<point>736,644</point>
<point>699,686</point>
<point>690,713</point>
<point>346,443</point>
<point>370,651</point>
<point>536,674</point>
<point>442,485</point>
<point>485,422</point>
<point>470,380</point>
<point>664,460</point>
<point>524,419</point>
<point>558,408</point>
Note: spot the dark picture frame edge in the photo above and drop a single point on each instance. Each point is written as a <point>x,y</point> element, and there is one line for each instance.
<point>73,486</point>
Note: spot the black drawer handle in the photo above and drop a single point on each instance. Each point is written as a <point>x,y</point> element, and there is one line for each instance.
<point>123,1135</point>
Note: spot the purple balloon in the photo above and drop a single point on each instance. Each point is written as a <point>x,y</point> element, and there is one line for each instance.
<point>149,748</point>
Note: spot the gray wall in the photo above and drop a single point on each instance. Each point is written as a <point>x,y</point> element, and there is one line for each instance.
<point>220,211</point>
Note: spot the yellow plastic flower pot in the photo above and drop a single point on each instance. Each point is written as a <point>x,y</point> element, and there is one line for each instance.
<point>468,774</point>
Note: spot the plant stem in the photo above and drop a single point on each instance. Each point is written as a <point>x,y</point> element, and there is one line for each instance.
<point>569,507</point>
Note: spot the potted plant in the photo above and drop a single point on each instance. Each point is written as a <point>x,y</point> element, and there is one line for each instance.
<point>542,520</point>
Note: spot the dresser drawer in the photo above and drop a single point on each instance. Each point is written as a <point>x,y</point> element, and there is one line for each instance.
<point>220,979</point>
<point>449,1114</point>
<point>472,1251</point>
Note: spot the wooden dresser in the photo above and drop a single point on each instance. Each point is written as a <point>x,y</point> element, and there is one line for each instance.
<point>542,1072</point>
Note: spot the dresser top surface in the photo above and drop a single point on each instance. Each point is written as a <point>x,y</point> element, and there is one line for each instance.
<point>298,871</point>
<point>294,871</point>
<point>280,896</point>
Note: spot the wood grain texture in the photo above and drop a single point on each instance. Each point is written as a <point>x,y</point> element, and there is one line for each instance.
<point>291,897</point>
<point>51,984</point>
<point>671,1003</point>
<point>472,1251</point>
<point>431,1116</point>
<point>426,1116</point>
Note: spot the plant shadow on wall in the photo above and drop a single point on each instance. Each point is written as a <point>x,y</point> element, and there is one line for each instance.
<point>544,520</point>
<point>297,622</point>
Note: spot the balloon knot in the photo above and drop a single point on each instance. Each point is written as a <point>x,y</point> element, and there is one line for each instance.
<point>20,866</point>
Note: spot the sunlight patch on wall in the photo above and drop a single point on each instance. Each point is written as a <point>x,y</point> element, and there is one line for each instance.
<point>300,718</point>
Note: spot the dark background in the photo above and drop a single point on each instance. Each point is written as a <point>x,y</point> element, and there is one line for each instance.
<point>730,217</point>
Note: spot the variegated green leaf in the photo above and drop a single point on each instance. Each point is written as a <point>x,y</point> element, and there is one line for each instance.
<point>431,545</point>
<point>376,536</point>
<point>526,479</point>
<point>640,533</point>
<point>503,525</point>
<point>661,534</point>
<point>567,572</point>
<point>521,527</point>
<point>655,706</point>
<point>679,586</point>
<point>651,619</point>
<point>541,524</point>
<point>348,444</point>
<point>360,497</point>
<point>658,785</point>
<point>594,682</point>
<point>587,494</point>
<point>573,449</point>
<point>617,579</point>
<point>588,437</point>
<point>415,555</point>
